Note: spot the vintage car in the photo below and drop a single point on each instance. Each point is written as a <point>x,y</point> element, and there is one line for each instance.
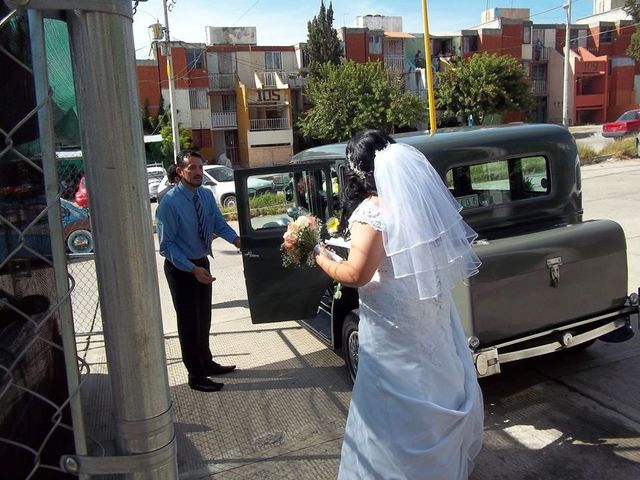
<point>549,281</point>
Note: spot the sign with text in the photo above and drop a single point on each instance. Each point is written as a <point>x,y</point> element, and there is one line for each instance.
<point>267,96</point>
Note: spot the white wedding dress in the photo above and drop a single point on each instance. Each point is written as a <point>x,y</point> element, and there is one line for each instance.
<point>416,411</point>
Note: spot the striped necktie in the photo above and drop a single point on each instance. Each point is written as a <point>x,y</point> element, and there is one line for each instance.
<point>202,226</point>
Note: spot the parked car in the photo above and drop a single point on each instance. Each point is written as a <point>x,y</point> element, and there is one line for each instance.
<point>82,197</point>
<point>219,179</point>
<point>76,227</point>
<point>154,177</point>
<point>628,123</point>
<point>549,281</point>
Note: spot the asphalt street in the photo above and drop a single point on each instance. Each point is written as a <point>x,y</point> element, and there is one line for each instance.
<point>574,415</point>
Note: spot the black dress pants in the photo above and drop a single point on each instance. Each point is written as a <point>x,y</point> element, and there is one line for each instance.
<point>192,302</point>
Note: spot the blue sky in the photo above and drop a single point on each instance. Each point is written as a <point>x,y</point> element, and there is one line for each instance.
<point>284,22</point>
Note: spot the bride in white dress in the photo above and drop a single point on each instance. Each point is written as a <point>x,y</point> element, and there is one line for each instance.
<point>416,411</point>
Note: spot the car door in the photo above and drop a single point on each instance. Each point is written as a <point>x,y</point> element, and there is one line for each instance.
<point>275,292</point>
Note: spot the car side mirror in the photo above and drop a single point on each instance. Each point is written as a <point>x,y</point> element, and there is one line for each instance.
<point>288,193</point>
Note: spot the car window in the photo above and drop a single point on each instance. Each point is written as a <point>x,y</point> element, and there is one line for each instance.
<point>499,182</point>
<point>220,174</point>
<point>305,192</point>
<point>628,116</point>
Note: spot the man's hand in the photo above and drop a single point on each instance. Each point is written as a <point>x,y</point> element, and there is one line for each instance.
<point>236,242</point>
<point>202,275</point>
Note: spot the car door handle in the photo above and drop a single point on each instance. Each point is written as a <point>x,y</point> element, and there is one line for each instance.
<point>250,254</point>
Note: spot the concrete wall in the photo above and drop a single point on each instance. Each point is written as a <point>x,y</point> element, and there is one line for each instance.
<point>270,137</point>
<point>270,156</point>
<point>380,22</point>
<point>231,35</point>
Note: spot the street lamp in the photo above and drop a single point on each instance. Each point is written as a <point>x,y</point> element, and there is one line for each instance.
<point>567,70</point>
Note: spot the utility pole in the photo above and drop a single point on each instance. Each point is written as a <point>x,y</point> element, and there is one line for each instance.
<point>567,69</point>
<point>172,104</point>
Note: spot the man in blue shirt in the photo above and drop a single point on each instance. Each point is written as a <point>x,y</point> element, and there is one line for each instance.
<point>187,219</point>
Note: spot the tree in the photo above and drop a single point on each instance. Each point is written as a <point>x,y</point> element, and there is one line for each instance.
<point>632,7</point>
<point>350,97</point>
<point>482,85</point>
<point>166,148</point>
<point>322,42</point>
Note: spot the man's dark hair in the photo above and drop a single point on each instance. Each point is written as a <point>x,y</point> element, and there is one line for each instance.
<point>172,173</point>
<point>181,159</point>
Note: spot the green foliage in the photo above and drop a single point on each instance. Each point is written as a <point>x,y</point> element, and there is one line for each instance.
<point>482,85</point>
<point>322,42</point>
<point>166,148</point>
<point>632,7</point>
<point>587,154</point>
<point>355,96</point>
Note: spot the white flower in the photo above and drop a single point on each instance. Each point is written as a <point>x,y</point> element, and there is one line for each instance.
<point>302,221</point>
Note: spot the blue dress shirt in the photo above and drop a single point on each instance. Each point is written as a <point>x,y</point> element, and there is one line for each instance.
<point>177,226</point>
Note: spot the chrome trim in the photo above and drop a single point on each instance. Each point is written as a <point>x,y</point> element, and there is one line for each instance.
<point>627,310</point>
<point>557,345</point>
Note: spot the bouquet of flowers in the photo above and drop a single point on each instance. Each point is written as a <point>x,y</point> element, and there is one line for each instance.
<point>300,239</point>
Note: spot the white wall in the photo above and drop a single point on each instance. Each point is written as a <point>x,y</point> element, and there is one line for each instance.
<point>380,22</point>
<point>270,137</point>
<point>231,35</point>
<point>183,107</point>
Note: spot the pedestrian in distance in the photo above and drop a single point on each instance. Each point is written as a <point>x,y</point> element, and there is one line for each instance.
<point>187,219</point>
<point>172,179</point>
<point>416,409</point>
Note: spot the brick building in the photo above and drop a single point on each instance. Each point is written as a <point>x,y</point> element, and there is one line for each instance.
<point>236,97</point>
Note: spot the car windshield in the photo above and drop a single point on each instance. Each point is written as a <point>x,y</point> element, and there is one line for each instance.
<point>628,116</point>
<point>221,174</point>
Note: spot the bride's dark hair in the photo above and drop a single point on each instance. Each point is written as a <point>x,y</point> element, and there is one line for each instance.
<point>360,183</point>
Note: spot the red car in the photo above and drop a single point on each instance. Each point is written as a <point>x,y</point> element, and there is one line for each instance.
<point>81,196</point>
<point>627,123</point>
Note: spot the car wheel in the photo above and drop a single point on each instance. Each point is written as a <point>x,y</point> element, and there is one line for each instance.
<point>80,241</point>
<point>350,344</point>
<point>229,201</point>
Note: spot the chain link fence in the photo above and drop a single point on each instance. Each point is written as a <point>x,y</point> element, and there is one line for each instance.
<point>36,425</point>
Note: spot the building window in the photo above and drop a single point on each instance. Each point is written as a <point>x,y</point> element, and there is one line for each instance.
<point>229,103</point>
<point>606,35</point>
<point>574,34</point>
<point>195,58</point>
<point>198,99</point>
<point>375,45</point>
<point>273,61</point>
<point>469,44</point>
<point>526,35</point>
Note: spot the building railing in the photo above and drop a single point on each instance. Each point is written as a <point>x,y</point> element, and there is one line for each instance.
<point>271,79</point>
<point>222,81</point>
<point>223,120</point>
<point>541,54</point>
<point>395,62</point>
<point>538,87</point>
<point>262,124</point>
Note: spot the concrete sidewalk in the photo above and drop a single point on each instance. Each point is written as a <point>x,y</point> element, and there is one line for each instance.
<point>282,414</point>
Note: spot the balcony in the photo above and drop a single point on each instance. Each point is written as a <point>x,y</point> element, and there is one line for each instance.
<point>270,79</point>
<point>263,124</point>
<point>541,54</point>
<point>222,81</point>
<point>224,120</point>
<point>539,87</point>
<point>592,100</point>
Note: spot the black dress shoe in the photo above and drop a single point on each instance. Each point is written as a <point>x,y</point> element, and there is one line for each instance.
<point>205,385</point>
<point>217,369</point>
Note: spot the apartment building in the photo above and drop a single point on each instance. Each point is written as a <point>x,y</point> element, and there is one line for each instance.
<point>236,97</point>
<point>603,78</point>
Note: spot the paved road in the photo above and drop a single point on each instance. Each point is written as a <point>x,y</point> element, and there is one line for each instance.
<point>281,416</point>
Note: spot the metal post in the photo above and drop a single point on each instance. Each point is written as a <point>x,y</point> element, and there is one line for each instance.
<point>427,63</point>
<point>50,171</point>
<point>567,69</point>
<point>112,143</point>
<point>175,132</point>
